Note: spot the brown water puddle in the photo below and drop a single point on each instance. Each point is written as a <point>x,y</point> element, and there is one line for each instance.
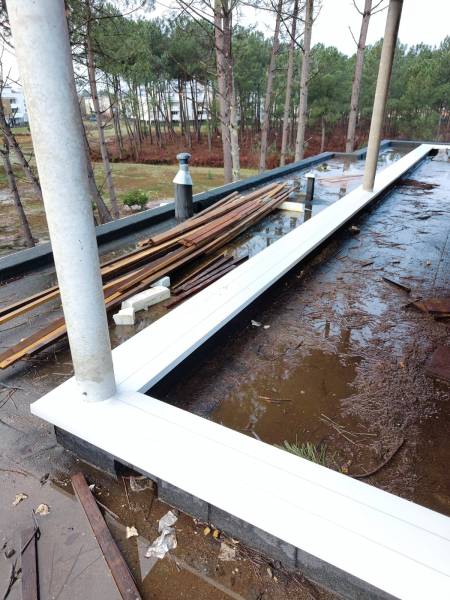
<point>286,399</point>
<point>333,357</point>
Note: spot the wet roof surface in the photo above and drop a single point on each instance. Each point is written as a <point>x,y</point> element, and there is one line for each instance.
<point>339,343</point>
<point>335,357</point>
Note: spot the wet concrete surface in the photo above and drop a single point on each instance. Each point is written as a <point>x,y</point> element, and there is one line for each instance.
<point>340,345</point>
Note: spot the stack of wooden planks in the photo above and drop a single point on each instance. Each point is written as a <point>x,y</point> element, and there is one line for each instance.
<point>203,276</point>
<point>163,254</point>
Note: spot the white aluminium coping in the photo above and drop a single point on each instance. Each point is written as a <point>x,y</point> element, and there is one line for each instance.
<point>395,545</point>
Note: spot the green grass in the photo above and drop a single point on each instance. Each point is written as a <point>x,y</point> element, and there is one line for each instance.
<point>314,452</point>
<point>157,180</point>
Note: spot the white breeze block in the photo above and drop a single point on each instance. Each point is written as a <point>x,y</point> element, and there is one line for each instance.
<point>125,316</point>
<point>165,282</point>
<point>292,206</point>
<point>146,298</point>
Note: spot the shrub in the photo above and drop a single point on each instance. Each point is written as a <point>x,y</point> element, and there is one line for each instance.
<point>135,198</point>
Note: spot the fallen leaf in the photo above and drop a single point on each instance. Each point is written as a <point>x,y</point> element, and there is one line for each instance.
<point>42,509</point>
<point>131,532</point>
<point>19,497</point>
<point>216,534</point>
<point>207,531</point>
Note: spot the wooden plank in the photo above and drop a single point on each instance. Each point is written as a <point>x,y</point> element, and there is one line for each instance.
<point>29,565</point>
<point>118,290</point>
<point>204,265</point>
<point>221,269</point>
<point>188,281</point>
<point>114,559</point>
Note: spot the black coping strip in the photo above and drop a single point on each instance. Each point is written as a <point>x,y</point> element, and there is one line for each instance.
<point>24,260</point>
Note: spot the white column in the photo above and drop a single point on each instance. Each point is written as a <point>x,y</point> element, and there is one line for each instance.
<point>41,41</point>
<point>381,92</point>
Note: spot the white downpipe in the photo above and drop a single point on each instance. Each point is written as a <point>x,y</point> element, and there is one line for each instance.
<point>382,92</point>
<point>41,41</point>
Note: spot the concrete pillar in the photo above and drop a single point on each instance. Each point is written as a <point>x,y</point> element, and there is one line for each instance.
<point>381,92</point>
<point>41,40</point>
<point>184,207</point>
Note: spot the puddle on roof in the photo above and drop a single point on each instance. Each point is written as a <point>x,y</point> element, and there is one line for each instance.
<point>337,357</point>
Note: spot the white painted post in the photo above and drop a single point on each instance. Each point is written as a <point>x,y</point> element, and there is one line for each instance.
<point>381,92</point>
<point>41,41</point>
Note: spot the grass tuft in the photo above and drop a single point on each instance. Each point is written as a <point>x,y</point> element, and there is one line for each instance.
<point>314,453</point>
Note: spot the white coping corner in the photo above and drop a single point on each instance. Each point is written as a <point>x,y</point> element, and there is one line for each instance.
<point>391,543</point>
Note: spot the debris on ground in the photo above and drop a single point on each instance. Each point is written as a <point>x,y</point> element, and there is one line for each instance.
<point>255,323</point>
<point>114,559</point>
<point>42,509</point>
<point>354,230</point>
<point>44,478</point>
<point>438,307</point>
<point>403,287</point>
<point>227,552</point>
<point>140,483</point>
<point>421,185</point>
<point>439,364</point>
<point>20,497</point>
<point>131,532</point>
<point>206,531</point>
<point>167,540</point>
<point>388,459</point>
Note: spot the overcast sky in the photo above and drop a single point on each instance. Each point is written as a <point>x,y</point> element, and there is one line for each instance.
<point>422,21</point>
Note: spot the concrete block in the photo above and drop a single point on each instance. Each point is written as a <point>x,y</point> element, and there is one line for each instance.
<point>165,282</point>
<point>146,298</point>
<point>184,501</point>
<point>255,538</point>
<point>125,316</point>
<point>292,206</point>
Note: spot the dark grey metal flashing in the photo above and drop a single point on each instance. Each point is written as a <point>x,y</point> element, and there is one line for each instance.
<point>24,260</point>
<point>320,572</point>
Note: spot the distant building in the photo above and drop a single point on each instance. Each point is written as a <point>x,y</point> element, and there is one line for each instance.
<point>194,97</point>
<point>87,105</point>
<point>14,105</point>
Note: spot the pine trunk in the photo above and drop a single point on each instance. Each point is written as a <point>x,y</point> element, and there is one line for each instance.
<point>24,225</point>
<point>101,133</point>
<point>304,81</point>
<point>287,100</point>
<point>12,144</point>
<point>356,85</point>
<point>268,98</point>
<point>224,101</point>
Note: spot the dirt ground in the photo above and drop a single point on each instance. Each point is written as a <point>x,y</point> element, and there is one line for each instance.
<point>341,365</point>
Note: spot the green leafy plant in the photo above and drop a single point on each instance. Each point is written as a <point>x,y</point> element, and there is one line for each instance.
<point>135,198</point>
